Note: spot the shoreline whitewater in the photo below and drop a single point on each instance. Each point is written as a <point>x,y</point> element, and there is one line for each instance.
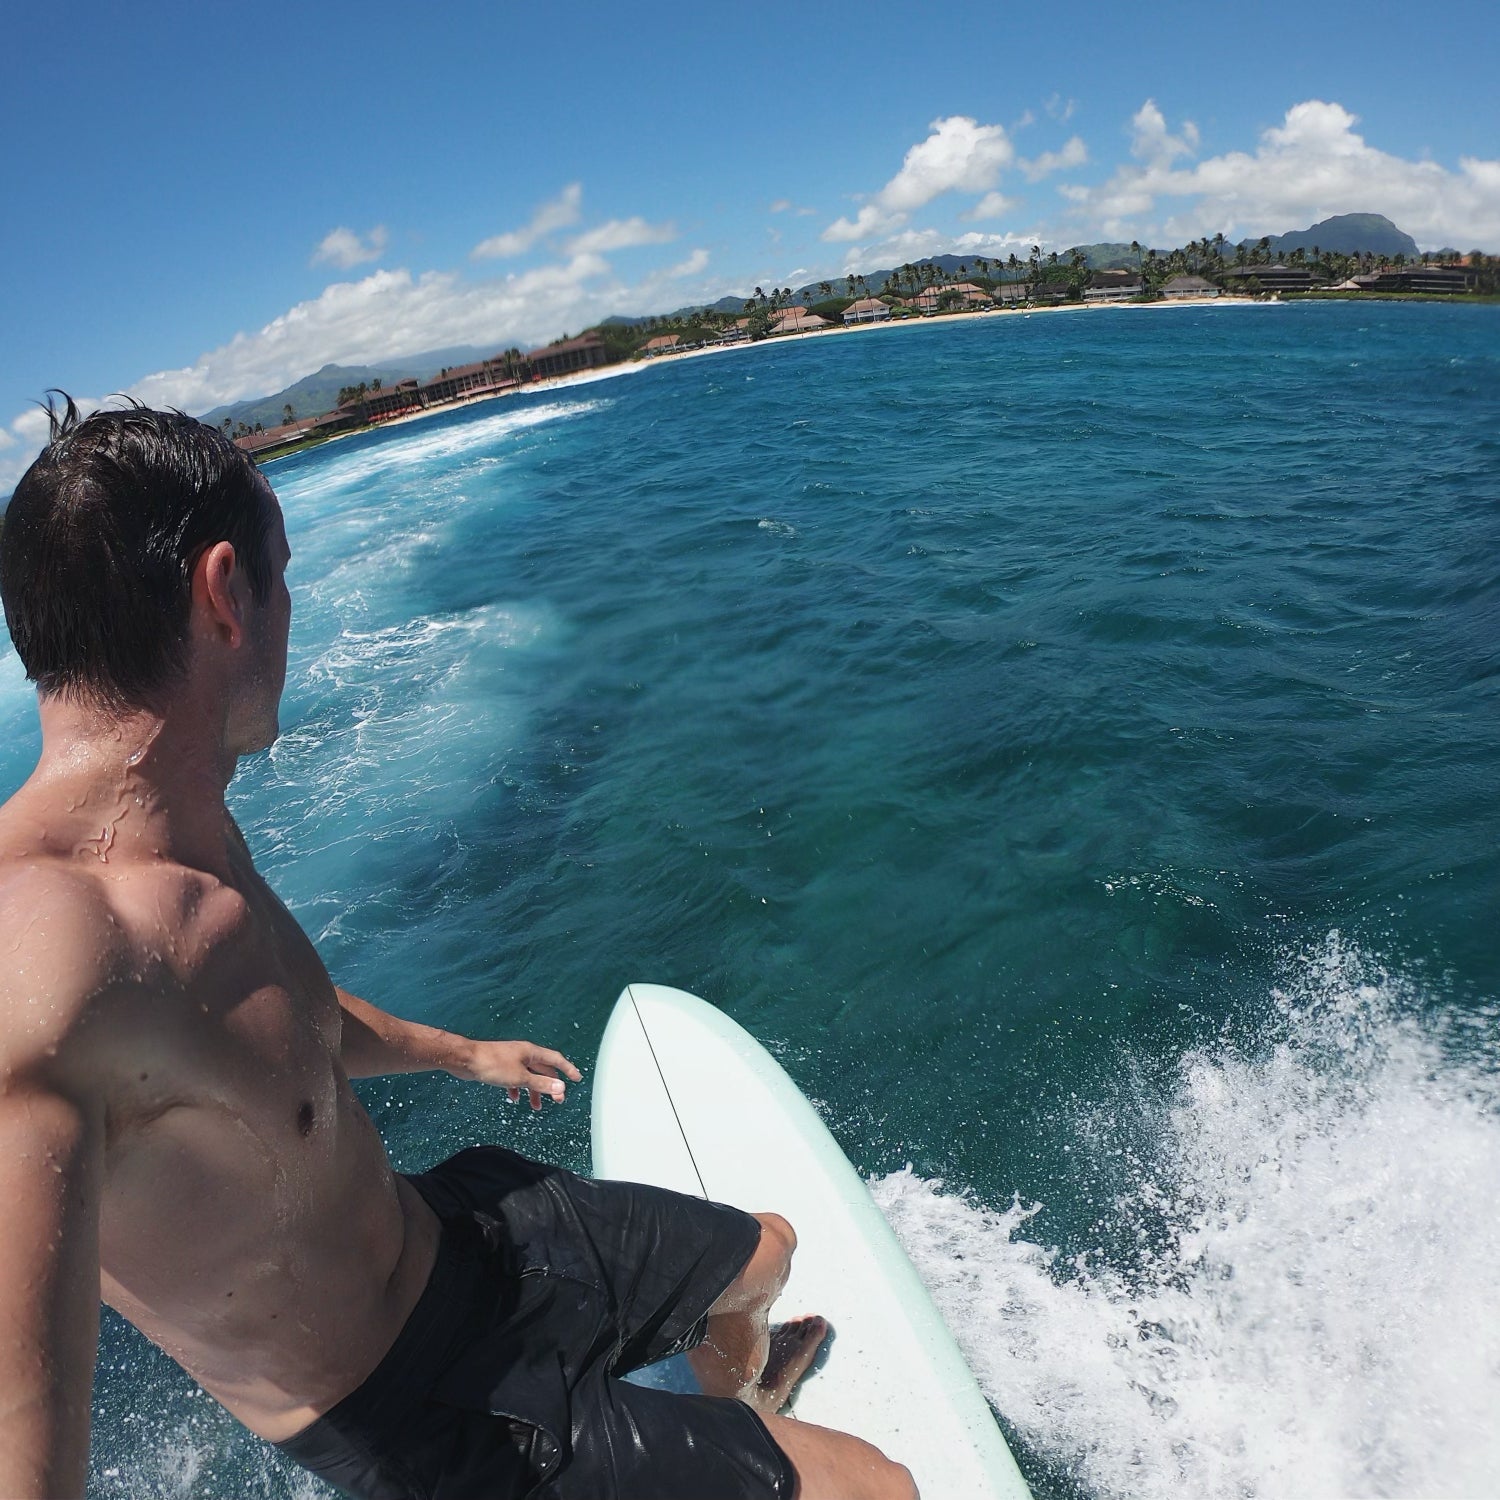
<point>636,366</point>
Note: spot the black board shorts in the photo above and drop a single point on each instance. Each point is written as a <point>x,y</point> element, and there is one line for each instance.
<point>504,1381</point>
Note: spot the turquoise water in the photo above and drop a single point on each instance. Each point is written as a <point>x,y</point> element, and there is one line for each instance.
<point>1068,740</point>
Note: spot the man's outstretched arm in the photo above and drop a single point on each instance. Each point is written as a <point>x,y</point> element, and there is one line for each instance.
<point>51,1184</point>
<point>51,1171</point>
<point>375,1042</point>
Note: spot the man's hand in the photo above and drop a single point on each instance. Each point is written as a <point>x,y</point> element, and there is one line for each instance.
<point>376,1043</point>
<point>514,1066</point>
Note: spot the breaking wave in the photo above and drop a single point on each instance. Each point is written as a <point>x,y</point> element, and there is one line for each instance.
<point>1308,1303</point>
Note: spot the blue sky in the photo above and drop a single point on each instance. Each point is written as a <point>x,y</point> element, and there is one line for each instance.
<point>205,203</point>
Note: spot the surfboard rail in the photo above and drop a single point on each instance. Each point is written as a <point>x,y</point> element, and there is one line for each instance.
<point>686,1098</point>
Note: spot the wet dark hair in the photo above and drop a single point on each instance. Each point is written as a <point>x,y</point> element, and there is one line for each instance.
<point>99,543</point>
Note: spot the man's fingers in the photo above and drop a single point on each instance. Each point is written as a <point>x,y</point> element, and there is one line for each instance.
<point>542,1084</point>
<point>543,1058</point>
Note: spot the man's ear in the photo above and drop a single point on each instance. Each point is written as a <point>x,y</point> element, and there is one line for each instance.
<point>220,594</point>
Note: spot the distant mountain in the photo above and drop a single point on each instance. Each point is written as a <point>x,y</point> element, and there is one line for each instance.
<point>1347,234</point>
<point>311,395</point>
<point>319,392</point>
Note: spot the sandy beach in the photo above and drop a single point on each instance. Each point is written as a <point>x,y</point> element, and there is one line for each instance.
<point>636,366</point>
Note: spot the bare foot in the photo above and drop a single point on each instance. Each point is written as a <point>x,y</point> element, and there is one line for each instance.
<point>794,1346</point>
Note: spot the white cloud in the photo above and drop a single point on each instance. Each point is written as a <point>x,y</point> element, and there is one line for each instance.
<point>343,248</point>
<point>917,244</point>
<point>1312,165</point>
<point>621,234</point>
<point>871,219</point>
<point>1153,143</point>
<point>560,212</point>
<point>1073,154</point>
<point>1060,108</point>
<point>692,266</point>
<point>991,206</point>
<point>391,313</point>
<point>960,155</point>
<point>381,317</point>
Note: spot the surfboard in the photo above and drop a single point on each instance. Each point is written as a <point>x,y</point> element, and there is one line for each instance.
<point>685,1098</point>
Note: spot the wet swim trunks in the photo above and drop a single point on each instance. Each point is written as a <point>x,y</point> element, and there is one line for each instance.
<point>504,1382</point>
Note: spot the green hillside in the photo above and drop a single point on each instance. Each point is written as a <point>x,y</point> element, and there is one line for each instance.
<point>1349,234</point>
<point>309,397</point>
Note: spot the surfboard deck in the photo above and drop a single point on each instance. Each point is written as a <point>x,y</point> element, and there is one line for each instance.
<point>685,1098</point>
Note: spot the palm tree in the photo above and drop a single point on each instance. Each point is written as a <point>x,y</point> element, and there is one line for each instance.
<point>288,415</point>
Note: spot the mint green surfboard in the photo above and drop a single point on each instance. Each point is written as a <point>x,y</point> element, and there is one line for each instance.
<point>686,1099</point>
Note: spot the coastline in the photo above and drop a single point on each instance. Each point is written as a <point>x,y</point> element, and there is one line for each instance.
<point>636,366</point>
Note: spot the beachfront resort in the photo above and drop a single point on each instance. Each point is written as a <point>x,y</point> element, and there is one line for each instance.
<point>911,292</point>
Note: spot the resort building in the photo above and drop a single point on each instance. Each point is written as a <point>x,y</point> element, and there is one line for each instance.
<point>663,343</point>
<point>1270,278</point>
<point>1112,286</point>
<point>568,356</point>
<point>1189,286</point>
<point>867,310</point>
<point>961,295</point>
<point>488,377</point>
<point>269,439</point>
<point>1008,293</point>
<point>392,401</point>
<point>274,437</point>
<point>1448,279</point>
<point>797,320</point>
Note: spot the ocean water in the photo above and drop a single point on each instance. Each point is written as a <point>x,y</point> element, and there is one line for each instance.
<point>1069,741</point>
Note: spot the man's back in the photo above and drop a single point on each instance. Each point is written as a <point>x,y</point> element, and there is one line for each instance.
<point>249,1221</point>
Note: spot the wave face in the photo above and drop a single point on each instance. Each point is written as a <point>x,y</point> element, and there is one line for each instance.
<point>1295,1292</point>
<point>998,718</point>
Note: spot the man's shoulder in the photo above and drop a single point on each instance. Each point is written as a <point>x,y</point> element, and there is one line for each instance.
<point>64,950</point>
<point>41,883</point>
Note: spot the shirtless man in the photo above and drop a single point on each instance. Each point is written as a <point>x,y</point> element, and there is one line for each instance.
<point>178,1134</point>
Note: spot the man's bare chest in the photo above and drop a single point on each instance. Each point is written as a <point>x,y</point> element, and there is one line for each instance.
<point>228,1012</point>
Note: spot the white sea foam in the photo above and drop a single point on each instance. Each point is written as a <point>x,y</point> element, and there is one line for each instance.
<point>171,1467</point>
<point>421,443</point>
<point>391,725</point>
<point>1314,1305</point>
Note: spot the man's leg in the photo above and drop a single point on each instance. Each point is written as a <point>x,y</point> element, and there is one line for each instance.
<point>741,1357</point>
<point>837,1466</point>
